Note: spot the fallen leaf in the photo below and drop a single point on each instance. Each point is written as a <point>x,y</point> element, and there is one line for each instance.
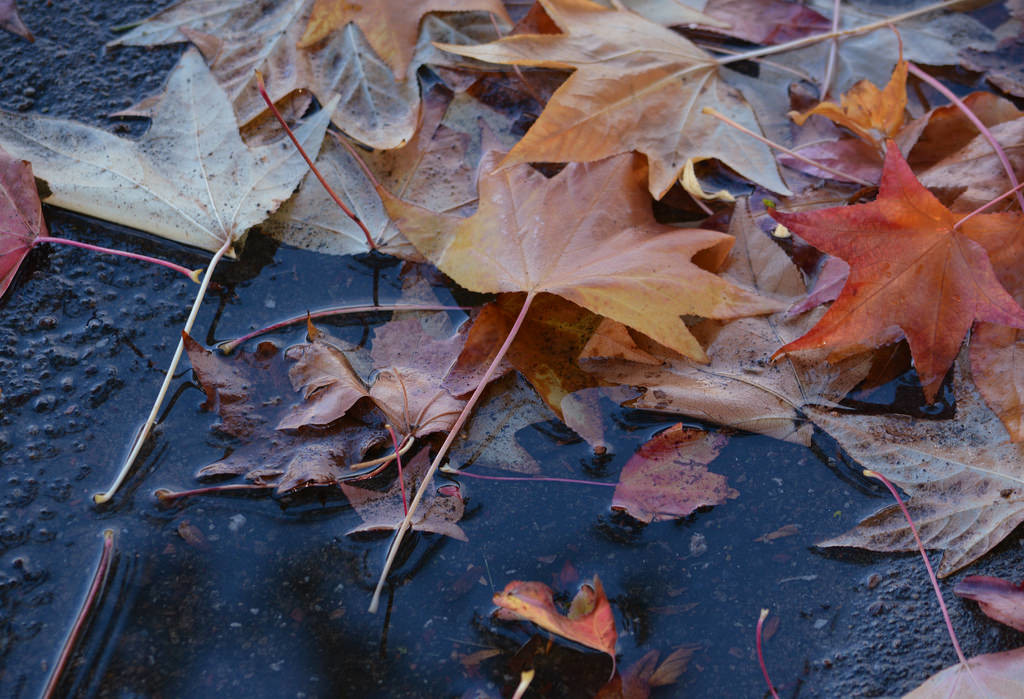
<point>828,285</point>
<point>637,681</point>
<point>873,115</point>
<point>766,21</point>
<point>741,387</point>
<point>589,622</point>
<point>999,599</point>
<point>588,235</point>
<point>668,478</point>
<point>410,367</point>
<point>390,26</point>
<point>430,171</point>
<point>636,86</point>
<point>991,676</point>
<point>913,274</point>
<point>383,510</point>
<point>245,391</point>
<point>964,478</point>
<point>190,178</point>
<point>11,21</point>
<point>21,216</point>
<point>783,531</point>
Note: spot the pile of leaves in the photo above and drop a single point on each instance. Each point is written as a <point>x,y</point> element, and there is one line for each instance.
<point>648,224</point>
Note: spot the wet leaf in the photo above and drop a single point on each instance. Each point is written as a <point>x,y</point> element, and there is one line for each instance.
<point>383,510</point>
<point>11,21</point>
<point>21,216</point>
<point>636,86</point>
<point>190,178</point>
<point>766,21</point>
<point>668,478</point>
<point>588,235</point>
<point>999,599</point>
<point>964,477</point>
<point>913,274</point>
<point>590,621</point>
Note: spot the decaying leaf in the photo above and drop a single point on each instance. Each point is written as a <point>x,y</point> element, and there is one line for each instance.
<point>21,216</point>
<point>190,178</point>
<point>636,86</point>
<point>383,510</point>
<point>741,387</point>
<point>991,676</point>
<point>589,622</point>
<point>914,273</point>
<point>964,477</point>
<point>244,391</point>
<point>668,477</point>
<point>999,599</point>
<point>588,235</point>
<point>637,681</point>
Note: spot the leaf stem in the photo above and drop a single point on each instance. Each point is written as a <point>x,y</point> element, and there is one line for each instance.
<point>711,111</point>
<point>927,564</point>
<point>231,345</point>
<point>337,200</point>
<point>833,53</point>
<point>406,446</point>
<point>760,654</point>
<point>167,496</point>
<point>978,124</point>
<point>398,460</point>
<point>443,451</point>
<point>456,472</point>
<point>98,578</point>
<point>981,208</point>
<point>192,274</point>
<point>143,434</point>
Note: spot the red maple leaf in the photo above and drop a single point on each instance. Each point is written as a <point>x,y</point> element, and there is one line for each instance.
<point>913,272</point>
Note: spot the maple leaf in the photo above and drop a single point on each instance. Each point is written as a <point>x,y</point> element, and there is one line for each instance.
<point>637,681</point>
<point>765,21</point>
<point>588,235</point>
<point>999,599</point>
<point>286,459</point>
<point>913,273</point>
<point>740,387</point>
<point>391,26</point>
<point>431,171</point>
<point>667,478</point>
<point>11,21</point>
<point>190,178</point>
<point>21,216</point>
<point>407,386</point>
<point>636,86</point>
<point>589,622</point>
<point>990,676</point>
<point>383,510</point>
<point>964,478</point>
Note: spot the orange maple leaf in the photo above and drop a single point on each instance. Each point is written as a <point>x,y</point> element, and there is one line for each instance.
<point>913,272</point>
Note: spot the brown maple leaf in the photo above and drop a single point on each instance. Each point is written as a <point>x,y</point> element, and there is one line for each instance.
<point>21,215</point>
<point>636,86</point>
<point>383,510</point>
<point>390,26</point>
<point>245,392</point>
<point>587,234</point>
<point>914,272</point>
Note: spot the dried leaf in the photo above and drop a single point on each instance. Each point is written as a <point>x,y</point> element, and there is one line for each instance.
<point>11,21</point>
<point>556,235</point>
<point>668,478</point>
<point>190,178</point>
<point>991,676</point>
<point>636,86</point>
